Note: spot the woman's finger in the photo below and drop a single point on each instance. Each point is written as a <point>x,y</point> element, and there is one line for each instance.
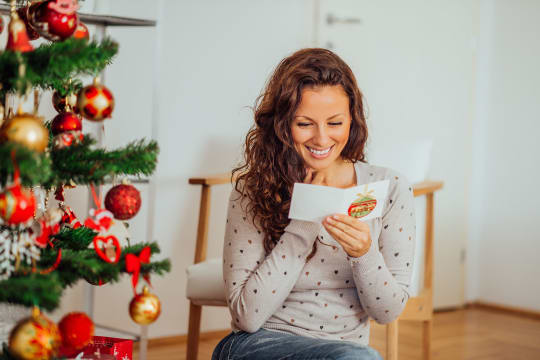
<point>351,221</point>
<point>343,238</point>
<point>346,228</point>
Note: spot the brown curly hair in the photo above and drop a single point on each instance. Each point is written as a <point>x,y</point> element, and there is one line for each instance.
<point>271,164</point>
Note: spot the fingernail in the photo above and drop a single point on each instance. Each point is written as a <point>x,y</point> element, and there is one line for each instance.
<point>336,217</point>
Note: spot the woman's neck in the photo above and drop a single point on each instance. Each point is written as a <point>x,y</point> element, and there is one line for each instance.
<point>341,174</point>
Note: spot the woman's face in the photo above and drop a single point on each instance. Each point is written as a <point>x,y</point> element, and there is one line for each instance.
<point>320,128</point>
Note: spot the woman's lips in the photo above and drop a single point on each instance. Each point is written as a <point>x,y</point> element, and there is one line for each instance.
<point>320,154</point>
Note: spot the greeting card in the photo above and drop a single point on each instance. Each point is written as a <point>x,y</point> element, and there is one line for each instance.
<point>315,202</point>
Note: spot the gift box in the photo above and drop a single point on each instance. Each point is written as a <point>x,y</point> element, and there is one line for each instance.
<point>105,348</point>
<point>81,356</point>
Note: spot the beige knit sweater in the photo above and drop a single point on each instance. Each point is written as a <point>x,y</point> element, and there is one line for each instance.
<point>333,295</point>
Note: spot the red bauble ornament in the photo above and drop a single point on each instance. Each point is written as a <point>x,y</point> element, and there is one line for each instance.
<point>76,329</point>
<point>66,121</point>
<point>81,32</point>
<point>17,205</point>
<point>23,14</point>
<point>66,103</point>
<point>124,201</point>
<point>17,36</point>
<point>54,19</point>
<point>95,102</point>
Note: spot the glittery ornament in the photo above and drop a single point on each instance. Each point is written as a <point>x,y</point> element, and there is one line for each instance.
<point>17,204</point>
<point>145,307</point>
<point>66,103</point>
<point>25,129</point>
<point>54,19</point>
<point>34,338</point>
<point>124,201</point>
<point>95,102</point>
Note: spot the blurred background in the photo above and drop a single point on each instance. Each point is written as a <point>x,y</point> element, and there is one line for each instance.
<point>452,92</point>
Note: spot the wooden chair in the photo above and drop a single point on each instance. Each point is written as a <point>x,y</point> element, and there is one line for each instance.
<point>418,308</point>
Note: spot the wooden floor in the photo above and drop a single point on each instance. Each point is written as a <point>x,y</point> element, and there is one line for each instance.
<point>457,335</point>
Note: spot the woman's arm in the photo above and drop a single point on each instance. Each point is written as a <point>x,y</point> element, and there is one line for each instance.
<point>255,285</point>
<point>383,275</point>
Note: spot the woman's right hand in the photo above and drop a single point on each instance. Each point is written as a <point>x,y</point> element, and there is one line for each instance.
<point>314,177</point>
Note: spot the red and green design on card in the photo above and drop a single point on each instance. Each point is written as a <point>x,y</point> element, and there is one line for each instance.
<point>363,205</point>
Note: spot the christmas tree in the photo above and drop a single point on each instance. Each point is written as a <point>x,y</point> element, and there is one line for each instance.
<point>44,247</point>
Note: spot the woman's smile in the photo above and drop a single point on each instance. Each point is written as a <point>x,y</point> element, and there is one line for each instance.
<point>320,154</point>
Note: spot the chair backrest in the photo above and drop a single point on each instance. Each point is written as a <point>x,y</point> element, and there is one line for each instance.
<point>418,308</point>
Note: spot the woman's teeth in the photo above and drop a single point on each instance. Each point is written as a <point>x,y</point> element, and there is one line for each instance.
<point>319,152</point>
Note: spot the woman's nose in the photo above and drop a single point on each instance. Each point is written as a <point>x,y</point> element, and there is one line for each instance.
<point>321,136</point>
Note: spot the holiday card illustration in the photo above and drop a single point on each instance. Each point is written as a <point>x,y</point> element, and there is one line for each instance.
<point>315,202</point>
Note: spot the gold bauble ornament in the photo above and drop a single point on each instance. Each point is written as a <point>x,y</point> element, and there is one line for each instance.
<point>34,338</point>
<point>25,129</point>
<point>144,308</point>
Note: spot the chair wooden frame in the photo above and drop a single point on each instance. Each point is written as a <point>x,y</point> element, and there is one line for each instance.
<point>418,308</point>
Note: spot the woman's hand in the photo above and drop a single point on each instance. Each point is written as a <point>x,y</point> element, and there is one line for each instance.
<point>313,177</point>
<point>353,234</point>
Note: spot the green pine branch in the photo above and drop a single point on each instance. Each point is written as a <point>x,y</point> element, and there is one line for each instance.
<point>51,65</point>
<point>86,264</point>
<point>34,289</point>
<point>45,291</point>
<point>74,239</point>
<point>35,168</point>
<point>83,165</point>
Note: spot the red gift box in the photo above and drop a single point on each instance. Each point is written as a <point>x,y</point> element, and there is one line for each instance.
<point>102,347</point>
<point>93,357</point>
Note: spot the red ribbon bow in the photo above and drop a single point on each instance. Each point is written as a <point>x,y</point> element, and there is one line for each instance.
<point>133,265</point>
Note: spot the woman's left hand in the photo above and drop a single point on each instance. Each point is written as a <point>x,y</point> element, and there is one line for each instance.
<point>353,234</point>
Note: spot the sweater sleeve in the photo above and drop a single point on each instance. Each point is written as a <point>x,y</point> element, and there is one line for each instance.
<point>257,285</point>
<point>383,275</point>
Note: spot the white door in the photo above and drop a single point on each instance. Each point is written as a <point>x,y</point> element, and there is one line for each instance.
<point>413,62</point>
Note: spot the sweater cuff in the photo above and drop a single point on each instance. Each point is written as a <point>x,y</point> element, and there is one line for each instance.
<point>369,261</point>
<point>304,229</point>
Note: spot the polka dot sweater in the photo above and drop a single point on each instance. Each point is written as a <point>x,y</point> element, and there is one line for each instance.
<point>333,295</point>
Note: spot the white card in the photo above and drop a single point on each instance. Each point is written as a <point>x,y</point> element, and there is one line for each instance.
<point>315,202</point>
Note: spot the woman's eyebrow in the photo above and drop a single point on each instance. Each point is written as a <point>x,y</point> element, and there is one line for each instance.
<point>307,117</point>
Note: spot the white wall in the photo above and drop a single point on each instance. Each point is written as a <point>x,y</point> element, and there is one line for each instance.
<point>504,265</point>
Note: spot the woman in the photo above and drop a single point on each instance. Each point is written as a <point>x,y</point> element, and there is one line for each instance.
<point>304,290</point>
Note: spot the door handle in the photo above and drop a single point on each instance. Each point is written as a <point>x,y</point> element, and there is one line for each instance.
<point>331,19</point>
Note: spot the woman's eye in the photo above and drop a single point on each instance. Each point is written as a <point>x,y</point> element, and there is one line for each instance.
<point>336,123</point>
<point>303,124</point>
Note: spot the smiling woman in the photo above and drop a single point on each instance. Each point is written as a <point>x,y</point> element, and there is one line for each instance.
<point>320,131</point>
<point>287,297</point>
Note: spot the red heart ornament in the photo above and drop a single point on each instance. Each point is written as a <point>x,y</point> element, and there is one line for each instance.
<point>104,241</point>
